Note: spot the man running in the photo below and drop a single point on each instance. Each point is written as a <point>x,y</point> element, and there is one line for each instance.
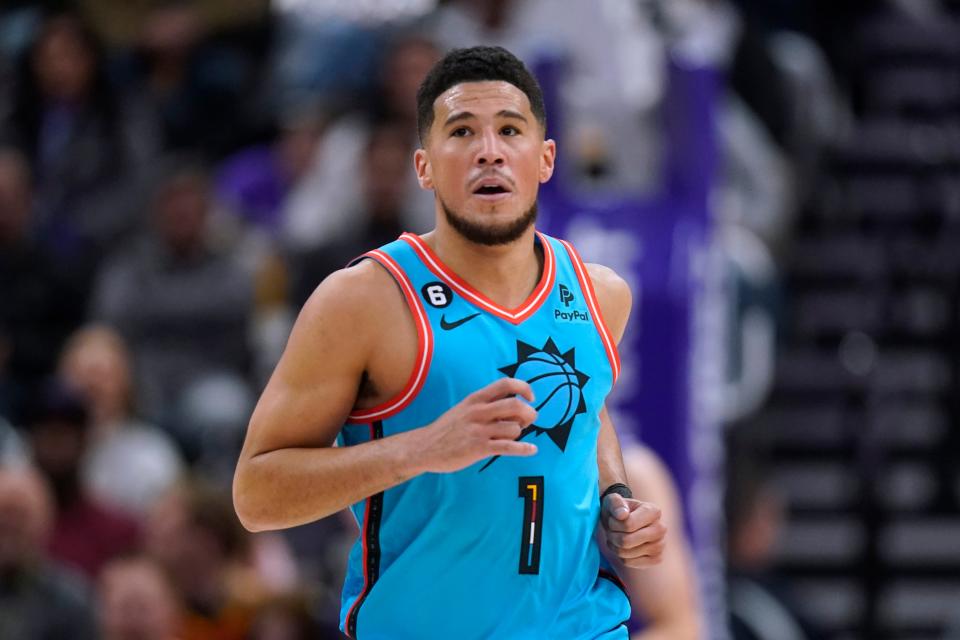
<point>463,375</point>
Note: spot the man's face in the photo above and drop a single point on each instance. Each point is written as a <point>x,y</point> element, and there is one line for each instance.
<point>485,158</point>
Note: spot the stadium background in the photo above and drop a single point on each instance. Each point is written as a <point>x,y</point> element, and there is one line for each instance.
<point>778,179</point>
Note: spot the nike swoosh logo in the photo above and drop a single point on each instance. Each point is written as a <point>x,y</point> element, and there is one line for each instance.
<point>447,326</point>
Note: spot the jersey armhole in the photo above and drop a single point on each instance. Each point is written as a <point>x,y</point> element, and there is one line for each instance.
<point>399,402</point>
<point>586,285</point>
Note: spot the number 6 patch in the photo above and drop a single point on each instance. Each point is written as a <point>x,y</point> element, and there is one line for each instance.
<point>437,294</point>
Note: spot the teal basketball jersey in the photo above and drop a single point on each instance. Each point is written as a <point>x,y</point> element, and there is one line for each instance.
<point>504,548</point>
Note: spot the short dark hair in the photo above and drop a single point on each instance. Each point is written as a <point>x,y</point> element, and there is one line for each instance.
<point>476,64</point>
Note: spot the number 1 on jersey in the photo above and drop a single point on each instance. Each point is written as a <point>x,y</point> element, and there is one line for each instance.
<point>531,490</point>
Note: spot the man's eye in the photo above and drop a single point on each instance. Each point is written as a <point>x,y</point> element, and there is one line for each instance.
<point>509,131</point>
<point>460,132</point>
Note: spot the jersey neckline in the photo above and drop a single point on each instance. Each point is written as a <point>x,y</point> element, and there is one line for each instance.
<point>515,316</point>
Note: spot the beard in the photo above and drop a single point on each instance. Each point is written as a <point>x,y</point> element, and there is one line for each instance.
<point>490,234</point>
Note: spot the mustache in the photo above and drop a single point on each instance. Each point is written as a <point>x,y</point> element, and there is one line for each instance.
<point>493,173</point>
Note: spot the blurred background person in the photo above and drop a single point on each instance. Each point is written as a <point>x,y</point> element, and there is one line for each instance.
<point>41,305</point>
<point>38,598</point>
<point>222,573</point>
<point>289,618</point>
<point>182,303</point>
<point>256,182</point>
<point>384,179</point>
<point>762,606</point>
<point>200,87</point>
<point>85,533</point>
<point>87,149</point>
<point>323,209</point>
<point>665,599</point>
<point>137,601</point>
<point>129,463</point>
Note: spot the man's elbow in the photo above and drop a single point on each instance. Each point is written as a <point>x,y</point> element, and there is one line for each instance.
<point>249,510</point>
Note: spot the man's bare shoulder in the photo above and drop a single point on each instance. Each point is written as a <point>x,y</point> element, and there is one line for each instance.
<point>606,281</point>
<point>343,323</point>
<point>613,294</point>
<point>352,291</point>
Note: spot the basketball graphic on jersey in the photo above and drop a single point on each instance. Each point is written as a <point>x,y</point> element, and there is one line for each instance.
<point>557,388</point>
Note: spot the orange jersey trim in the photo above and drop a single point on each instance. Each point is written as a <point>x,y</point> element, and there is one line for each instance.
<point>461,286</point>
<point>417,377</point>
<point>609,344</point>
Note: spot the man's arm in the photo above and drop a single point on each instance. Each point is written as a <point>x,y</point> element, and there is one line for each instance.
<point>665,596</point>
<point>634,534</point>
<point>615,301</point>
<point>289,473</point>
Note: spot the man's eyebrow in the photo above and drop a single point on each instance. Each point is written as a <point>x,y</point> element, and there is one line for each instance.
<point>507,113</point>
<point>462,115</point>
<point>467,115</point>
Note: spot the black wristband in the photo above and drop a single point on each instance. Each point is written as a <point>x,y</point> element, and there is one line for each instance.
<point>618,488</point>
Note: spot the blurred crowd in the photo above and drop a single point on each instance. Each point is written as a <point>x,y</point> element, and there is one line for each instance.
<point>175,179</point>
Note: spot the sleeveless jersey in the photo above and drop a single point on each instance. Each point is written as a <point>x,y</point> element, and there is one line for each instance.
<point>504,548</point>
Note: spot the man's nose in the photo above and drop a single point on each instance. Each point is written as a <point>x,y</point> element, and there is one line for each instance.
<point>491,149</point>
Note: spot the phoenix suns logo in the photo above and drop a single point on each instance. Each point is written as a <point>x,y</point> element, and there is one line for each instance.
<point>557,390</point>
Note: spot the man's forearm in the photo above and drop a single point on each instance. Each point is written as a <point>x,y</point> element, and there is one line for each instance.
<point>290,487</point>
<point>609,456</point>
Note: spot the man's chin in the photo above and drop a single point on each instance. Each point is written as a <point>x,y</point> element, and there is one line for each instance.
<point>482,230</point>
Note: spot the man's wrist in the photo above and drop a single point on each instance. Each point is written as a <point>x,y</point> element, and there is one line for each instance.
<point>410,461</point>
<point>618,488</point>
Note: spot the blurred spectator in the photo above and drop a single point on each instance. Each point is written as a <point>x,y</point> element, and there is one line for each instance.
<point>256,182</point>
<point>87,148</point>
<point>383,180</point>
<point>761,606</point>
<point>182,303</point>
<point>138,601</point>
<point>321,52</point>
<point>289,618</point>
<point>37,598</point>
<point>85,533</point>
<point>195,536</point>
<point>129,463</point>
<point>120,23</point>
<point>39,305</point>
<point>664,598</point>
<point>323,208</point>
<point>203,92</point>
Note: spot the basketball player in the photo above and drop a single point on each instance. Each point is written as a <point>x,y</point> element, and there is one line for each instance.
<point>462,374</point>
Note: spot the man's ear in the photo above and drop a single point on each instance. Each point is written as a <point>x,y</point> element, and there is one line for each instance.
<point>547,159</point>
<point>421,163</point>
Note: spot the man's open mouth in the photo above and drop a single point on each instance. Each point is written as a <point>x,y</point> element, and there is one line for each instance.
<point>489,190</point>
<point>492,186</point>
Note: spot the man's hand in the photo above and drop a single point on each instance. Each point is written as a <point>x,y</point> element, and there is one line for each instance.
<point>633,530</point>
<point>486,423</point>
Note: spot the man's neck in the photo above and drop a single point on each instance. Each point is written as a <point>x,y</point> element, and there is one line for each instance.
<point>507,274</point>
